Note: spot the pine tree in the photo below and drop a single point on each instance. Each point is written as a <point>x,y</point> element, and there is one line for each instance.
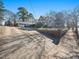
<point>23,13</point>
<point>1,10</point>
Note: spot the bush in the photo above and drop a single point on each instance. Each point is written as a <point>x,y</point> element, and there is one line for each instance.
<point>39,25</point>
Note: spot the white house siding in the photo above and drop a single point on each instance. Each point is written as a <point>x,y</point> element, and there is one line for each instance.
<point>2,23</point>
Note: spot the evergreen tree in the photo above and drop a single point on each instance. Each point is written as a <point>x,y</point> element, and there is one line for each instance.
<point>23,13</point>
<point>1,10</point>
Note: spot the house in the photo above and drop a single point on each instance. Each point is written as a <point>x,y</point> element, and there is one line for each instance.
<point>25,24</point>
<point>2,22</point>
<point>59,23</point>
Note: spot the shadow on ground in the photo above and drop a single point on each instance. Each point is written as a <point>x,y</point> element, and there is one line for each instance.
<point>55,36</point>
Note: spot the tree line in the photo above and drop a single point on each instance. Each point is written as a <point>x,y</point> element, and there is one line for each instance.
<point>61,19</point>
<point>52,19</point>
<point>22,14</point>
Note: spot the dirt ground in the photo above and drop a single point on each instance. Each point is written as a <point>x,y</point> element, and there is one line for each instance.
<point>23,44</point>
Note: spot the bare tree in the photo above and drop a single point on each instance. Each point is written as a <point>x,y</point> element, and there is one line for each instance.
<point>59,22</point>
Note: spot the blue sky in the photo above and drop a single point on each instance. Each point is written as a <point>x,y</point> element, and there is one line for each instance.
<point>41,7</point>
